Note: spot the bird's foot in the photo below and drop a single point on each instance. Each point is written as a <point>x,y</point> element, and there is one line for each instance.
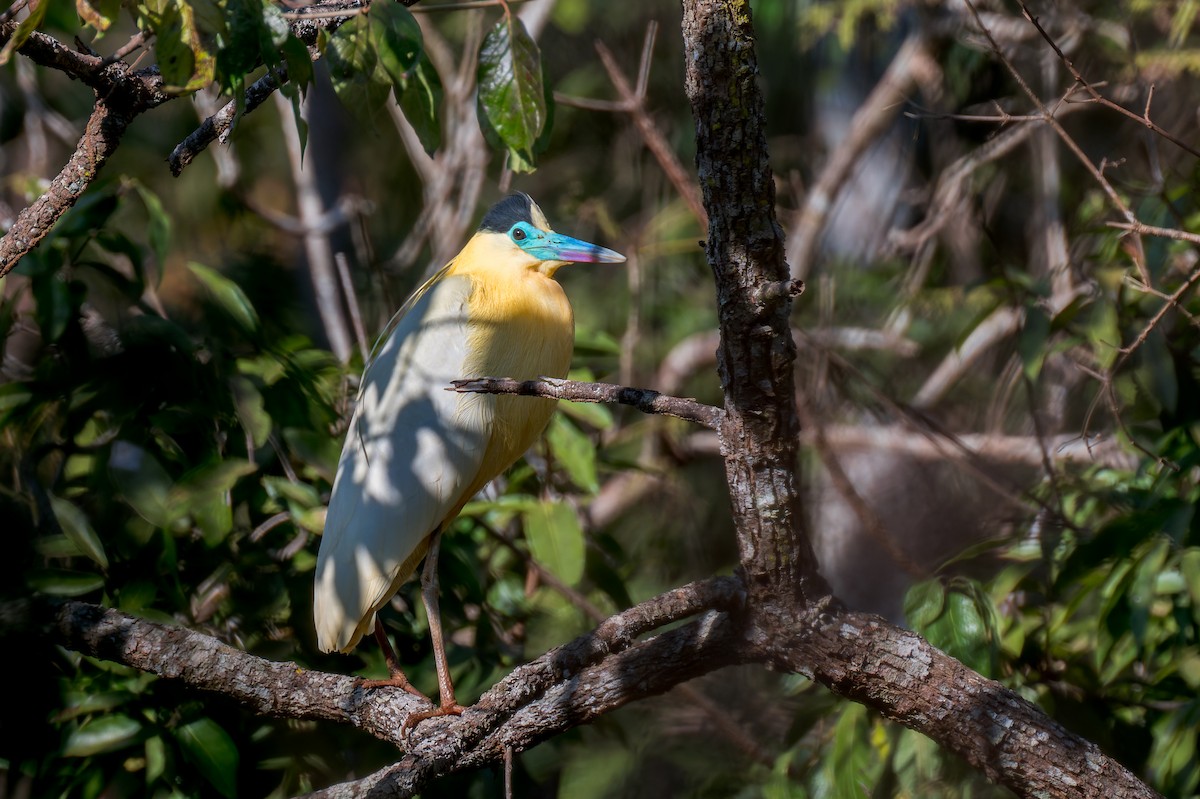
<point>397,680</point>
<point>450,708</point>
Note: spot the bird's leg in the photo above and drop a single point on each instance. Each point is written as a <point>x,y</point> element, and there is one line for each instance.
<point>397,678</point>
<point>447,705</point>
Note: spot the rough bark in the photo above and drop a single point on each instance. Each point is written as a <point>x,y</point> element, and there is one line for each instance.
<point>898,673</point>
<point>745,248</point>
<point>795,624</point>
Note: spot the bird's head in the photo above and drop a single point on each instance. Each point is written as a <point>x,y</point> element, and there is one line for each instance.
<point>517,228</point>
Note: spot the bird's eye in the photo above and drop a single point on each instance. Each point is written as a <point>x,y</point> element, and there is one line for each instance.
<point>518,235</point>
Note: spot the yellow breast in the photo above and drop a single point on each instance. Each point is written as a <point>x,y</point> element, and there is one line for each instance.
<point>520,326</point>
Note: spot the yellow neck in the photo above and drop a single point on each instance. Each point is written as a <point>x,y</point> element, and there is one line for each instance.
<point>521,326</point>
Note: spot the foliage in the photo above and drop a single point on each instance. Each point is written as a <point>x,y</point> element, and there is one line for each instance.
<point>169,450</point>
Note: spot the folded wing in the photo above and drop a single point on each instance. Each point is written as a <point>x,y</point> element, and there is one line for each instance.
<point>411,452</point>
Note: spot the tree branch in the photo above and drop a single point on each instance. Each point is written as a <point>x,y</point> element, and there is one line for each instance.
<point>896,672</point>
<point>644,399</point>
<point>745,249</point>
<point>285,690</point>
<point>121,95</point>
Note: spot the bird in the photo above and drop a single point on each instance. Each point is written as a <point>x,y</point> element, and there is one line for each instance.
<point>415,452</point>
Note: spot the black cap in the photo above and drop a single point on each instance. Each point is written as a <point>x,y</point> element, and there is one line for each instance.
<point>516,207</point>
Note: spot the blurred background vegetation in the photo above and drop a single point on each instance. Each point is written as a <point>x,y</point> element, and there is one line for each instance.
<point>180,356</point>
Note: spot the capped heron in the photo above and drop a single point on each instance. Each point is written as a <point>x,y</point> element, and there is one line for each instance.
<point>415,453</point>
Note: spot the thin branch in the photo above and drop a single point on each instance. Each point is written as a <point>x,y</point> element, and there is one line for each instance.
<point>869,122</point>
<point>1143,118</point>
<point>1097,173</point>
<point>633,102</point>
<point>644,399</point>
<point>220,124</point>
<point>1162,232</point>
<point>466,5</point>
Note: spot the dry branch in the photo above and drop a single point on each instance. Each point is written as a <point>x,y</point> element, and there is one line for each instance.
<point>643,399</point>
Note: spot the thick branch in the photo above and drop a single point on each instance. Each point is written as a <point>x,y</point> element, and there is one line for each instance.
<point>644,399</point>
<point>745,248</point>
<point>285,690</point>
<point>220,124</point>
<point>121,95</point>
<point>645,669</point>
<point>898,673</point>
<point>103,134</point>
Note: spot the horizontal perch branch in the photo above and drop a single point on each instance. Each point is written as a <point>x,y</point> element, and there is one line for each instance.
<point>644,399</point>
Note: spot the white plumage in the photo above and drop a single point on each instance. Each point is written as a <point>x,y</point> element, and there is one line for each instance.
<point>411,451</point>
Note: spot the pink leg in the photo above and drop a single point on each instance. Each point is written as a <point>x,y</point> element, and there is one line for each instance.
<point>447,705</point>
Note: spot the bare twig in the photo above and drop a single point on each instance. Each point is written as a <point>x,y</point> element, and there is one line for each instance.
<point>360,334</point>
<point>1143,229</point>
<point>1096,172</point>
<point>1143,118</point>
<point>643,399</point>
<point>655,141</point>
<point>220,124</point>
<point>870,121</point>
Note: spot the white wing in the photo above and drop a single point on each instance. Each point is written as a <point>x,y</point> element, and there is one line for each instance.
<point>412,450</point>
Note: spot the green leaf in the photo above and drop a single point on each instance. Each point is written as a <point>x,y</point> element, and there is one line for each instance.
<point>214,479</point>
<point>213,752</point>
<point>203,494</point>
<point>228,295</point>
<point>142,483</point>
<point>590,413</point>
<point>510,99</point>
<point>299,67</point>
<point>245,42</point>
<point>159,231</point>
<point>56,546</point>
<point>251,410</point>
<point>963,632</point>
<point>575,451</point>
<point>302,494</point>
<point>184,62</point>
<point>62,582</point>
<point>397,40</point>
<point>556,540</point>
<point>1156,359</point>
<point>352,61</point>
<point>924,603</point>
<point>55,305</point>
<point>100,16</point>
<point>156,759</point>
<point>420,99</point>
<point>75,524</point>
<point>37,13</point>
<point>1189,567</point>
<point>1031,343</point>
<point>82,703</point>
<point>103,734</point>
<point>850,756</point>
